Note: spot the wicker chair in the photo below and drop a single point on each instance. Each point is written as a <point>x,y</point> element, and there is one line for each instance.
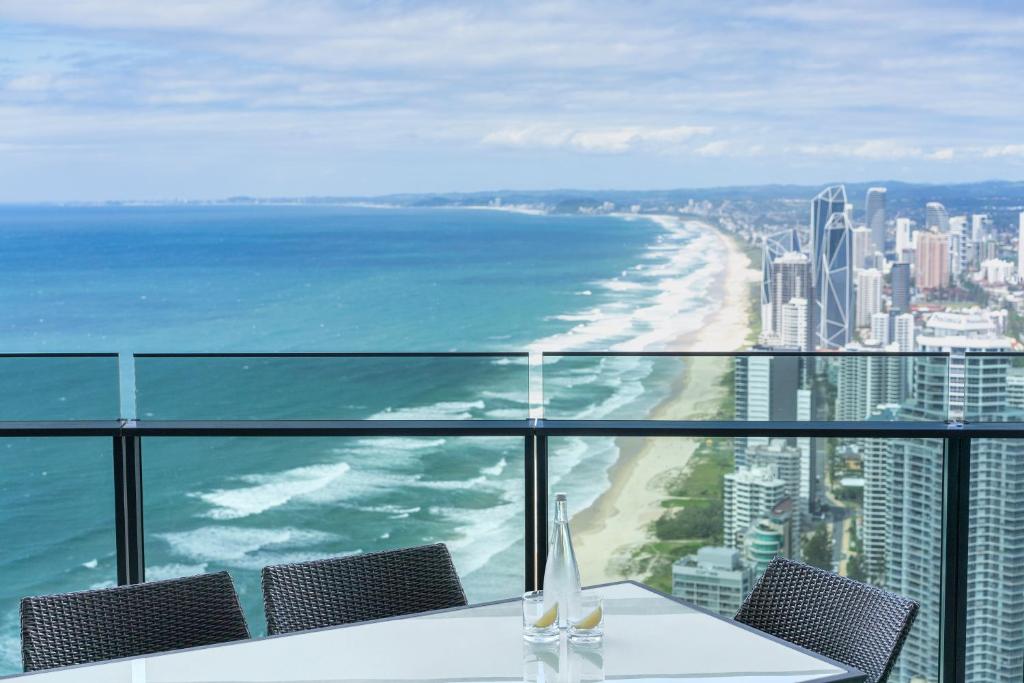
<point>308,595</point>
<point>127,621</point>
<point>837,617</point>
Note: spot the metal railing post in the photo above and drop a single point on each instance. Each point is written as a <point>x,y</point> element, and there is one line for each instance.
<point>131,564</point>
<point>542,508</point>
<point>530,521</point>
<point>536,530</point>
<point>956,493</point>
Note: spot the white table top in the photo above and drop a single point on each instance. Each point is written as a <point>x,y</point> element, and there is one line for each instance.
<point>648,637</point>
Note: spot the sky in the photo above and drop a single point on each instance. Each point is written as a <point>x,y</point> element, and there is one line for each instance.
<point>145,99</point>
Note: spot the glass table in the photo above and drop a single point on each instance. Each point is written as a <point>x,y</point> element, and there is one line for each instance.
<point>648,637</point>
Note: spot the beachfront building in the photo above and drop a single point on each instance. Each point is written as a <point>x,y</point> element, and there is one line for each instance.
<point>749,494</point>
<point>772,535</point>
<point>791,279</point>
<point>773,247</point>
<point>913,489</point>
<point>834,285</point>
<point>829,202</point>
<point>795,329</point>
<point>874,209</point>
<point>715,578</point>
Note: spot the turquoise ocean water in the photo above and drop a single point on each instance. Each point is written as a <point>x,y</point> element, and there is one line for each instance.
<point>323,278</point>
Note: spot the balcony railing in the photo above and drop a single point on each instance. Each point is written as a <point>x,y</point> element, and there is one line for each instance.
<point>926,498</point>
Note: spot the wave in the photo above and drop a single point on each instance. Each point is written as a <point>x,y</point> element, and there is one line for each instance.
<point>442,410</point>
<point>270,491</point>
<point>248,548</point>
<point>496,469</point>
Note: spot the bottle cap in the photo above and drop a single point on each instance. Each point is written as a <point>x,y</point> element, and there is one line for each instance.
<point>559,496</point>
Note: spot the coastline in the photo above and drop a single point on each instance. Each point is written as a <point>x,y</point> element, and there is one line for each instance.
<point>618,522</point>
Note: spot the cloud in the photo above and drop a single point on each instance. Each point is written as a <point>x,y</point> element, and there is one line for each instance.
<point>450,80</point>
<point>1003,151</point>
<point>877,150</point>
<point>606,140</point>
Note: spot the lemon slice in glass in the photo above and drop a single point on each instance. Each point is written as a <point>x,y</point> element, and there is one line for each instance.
<point>590,621</point>
<point>547,618</point>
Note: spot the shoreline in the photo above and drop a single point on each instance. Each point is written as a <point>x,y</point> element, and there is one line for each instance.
<point>607,532</point>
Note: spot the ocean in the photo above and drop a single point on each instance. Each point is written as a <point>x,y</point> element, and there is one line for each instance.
<point>186,278</point>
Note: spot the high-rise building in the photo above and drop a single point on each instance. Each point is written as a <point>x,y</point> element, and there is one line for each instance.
<point>769,536</point>
<point>830,201</point>
<point>834,285</point>
<point>980,225</point>
<point>865,382</point>
<point>875,458</point>
<point>874,207</point>
<point>958,242</point>
<point>996,271</point>
<point>782,456</point>
<point>903,227</point>
<point>1015,388</point>
<point>774,245</point>
<point>880,324</point>
<point>750,493</point>
<point>791,279</point>
<point>1020,244</point>
<point>714,578</point>
<point>931,269</point>
<point>766,388</point>
<point>899,275</point>
<point>913,548</point>
<point>795,330</point>
<point>936,217</point>
<point>903,332</point>
<point>869,296</point>
<point>863,249</point>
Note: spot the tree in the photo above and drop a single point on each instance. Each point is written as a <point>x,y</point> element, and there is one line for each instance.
<point>818,548</point>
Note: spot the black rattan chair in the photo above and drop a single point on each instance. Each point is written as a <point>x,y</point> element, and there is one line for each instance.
<point>851,622</point>
<point>307,595</point>
<point>127,621</point>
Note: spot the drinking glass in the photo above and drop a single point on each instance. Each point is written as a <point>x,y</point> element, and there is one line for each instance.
<point>540,621</point>
<point>586,619</point>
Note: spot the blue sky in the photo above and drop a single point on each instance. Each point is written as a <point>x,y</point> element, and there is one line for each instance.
<point>105,99</point>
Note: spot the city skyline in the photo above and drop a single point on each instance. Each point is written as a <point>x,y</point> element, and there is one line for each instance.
<point>110,99</point>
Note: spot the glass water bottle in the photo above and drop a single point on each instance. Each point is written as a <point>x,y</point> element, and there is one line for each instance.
<point>561,573</point>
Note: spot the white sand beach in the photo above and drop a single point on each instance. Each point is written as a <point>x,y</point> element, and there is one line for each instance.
<point>618,521</point>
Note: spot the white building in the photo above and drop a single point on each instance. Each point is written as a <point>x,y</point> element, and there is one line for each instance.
<point>936,217</point>
<point>869,296</point>
<point>980,223</point>
<point>997,271</point>
<point>903,332</point>
<point>880,328</point>
<point>1020,243</point>
<point>903,241</point>
<point>714,578</point>
<point>862,247</point>
<point>793,327</point>
<point>749,494</point>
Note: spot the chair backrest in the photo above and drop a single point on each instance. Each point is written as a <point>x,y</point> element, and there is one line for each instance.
<point>851,622</point>
<point>342,590</point>
<point>127,621</point>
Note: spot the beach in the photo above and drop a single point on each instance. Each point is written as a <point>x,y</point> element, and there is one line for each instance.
<point>619,520</point>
